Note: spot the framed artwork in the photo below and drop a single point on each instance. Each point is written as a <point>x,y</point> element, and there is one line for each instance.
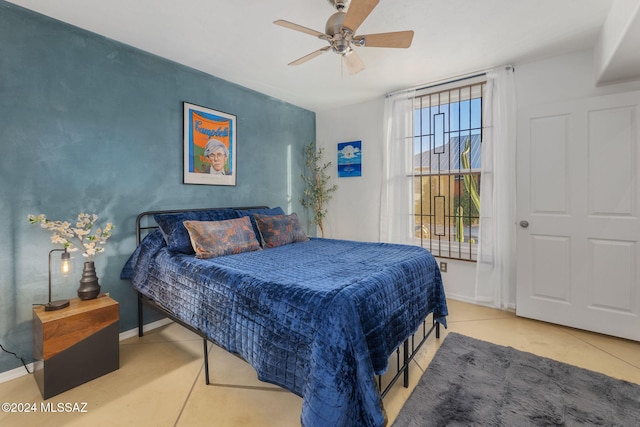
<point>349,159</point>
<point>210,146</point>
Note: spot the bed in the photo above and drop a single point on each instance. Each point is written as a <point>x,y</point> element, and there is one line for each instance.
<point>318,317</point>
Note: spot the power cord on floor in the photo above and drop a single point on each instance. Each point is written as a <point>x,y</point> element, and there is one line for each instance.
<point>17,357</point>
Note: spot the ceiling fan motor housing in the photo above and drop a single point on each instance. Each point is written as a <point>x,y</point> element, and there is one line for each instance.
<point>340,40</point>
<point>334,24</point>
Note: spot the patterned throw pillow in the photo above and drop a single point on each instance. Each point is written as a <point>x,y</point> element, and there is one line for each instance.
<point>217,238</point>
<point>264,211</point>
<point>176,235</point>
<point>278,230</point>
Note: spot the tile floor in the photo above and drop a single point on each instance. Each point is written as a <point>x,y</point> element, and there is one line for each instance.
<point>161,379</point>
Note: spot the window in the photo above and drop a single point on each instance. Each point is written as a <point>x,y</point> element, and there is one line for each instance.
<point>446,170</point>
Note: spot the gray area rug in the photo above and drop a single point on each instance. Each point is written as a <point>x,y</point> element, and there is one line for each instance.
<point>476,383</point>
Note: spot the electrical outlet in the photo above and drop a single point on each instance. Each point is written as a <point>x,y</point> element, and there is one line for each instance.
<point>443,267</point>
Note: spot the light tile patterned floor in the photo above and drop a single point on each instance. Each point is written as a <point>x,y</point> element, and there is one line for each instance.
<point>161,379</point>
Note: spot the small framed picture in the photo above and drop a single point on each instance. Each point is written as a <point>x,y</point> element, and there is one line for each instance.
<point>349,159</point>
<point>210,146</point>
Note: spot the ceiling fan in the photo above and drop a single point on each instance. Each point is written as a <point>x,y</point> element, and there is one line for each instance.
<point>340,33</point>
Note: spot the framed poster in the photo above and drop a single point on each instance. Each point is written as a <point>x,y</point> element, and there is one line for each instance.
<point>210,146</point>
<point>349,159</point>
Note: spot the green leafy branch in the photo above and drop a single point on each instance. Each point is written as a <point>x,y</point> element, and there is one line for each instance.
<point>317,192</point>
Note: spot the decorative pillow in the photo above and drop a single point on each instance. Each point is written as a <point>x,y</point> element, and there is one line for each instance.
<point>217,238</point>
<point>278,230</point>
<point>176,235</point>
<point>251,212</point>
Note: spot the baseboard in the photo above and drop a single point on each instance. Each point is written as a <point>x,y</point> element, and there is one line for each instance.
<point>15,373</point>
<point>20,371</point>
<point>463,298</point>
<point>148,327</point>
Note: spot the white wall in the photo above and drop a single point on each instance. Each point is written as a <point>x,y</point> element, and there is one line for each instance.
<point>354,210</point>
<point>561,78</point>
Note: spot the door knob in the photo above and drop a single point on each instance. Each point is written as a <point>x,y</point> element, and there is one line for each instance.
<point>524,224</point>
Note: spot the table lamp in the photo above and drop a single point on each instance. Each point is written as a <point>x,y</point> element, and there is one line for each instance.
<point>65,269</point>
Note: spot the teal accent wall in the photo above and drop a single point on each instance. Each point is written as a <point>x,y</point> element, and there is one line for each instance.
<point>88,124</point>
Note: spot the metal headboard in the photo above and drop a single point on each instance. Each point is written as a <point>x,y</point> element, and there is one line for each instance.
<point>145,221</point>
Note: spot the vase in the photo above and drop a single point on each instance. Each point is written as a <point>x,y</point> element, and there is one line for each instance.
<point>89,286</point>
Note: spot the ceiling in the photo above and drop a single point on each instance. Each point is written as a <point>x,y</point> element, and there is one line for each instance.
<point>237,40</point>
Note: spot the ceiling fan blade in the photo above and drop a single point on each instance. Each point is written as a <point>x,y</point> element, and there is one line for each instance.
<point>401,39</point>
<point>310,56</point>
<point>300,28</point>
<point>354,62</point>
<point>358,12</point>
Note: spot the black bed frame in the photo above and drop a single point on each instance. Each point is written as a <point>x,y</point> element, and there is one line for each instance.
<point>404,354</point>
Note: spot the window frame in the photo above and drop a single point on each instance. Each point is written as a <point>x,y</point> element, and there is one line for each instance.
<point>447,95</point>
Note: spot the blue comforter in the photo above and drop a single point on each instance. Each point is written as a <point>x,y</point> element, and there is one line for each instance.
<point>319,318</point>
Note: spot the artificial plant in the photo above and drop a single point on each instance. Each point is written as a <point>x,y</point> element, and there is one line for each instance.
<point>317,192</point>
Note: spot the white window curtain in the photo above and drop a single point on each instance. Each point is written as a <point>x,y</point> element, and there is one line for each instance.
<point>496,266</point>
<point>396,209</point>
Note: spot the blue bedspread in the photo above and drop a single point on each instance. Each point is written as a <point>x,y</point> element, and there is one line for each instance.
<point>319,318</point>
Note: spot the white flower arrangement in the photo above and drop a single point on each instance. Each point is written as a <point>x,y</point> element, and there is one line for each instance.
<point>63,233</point>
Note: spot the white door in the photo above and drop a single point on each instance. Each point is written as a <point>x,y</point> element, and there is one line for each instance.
<point>578,204</point>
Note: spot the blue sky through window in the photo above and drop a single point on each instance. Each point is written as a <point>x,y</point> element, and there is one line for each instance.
<point>435,125</point>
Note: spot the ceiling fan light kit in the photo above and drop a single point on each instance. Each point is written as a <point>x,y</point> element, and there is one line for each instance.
<point>340,33</point>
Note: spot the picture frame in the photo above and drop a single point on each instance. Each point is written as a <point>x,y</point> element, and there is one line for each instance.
<point>349,159</point>
<point>210,146</point>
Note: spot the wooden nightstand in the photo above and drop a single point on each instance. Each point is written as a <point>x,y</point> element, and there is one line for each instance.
<point>75,344</point>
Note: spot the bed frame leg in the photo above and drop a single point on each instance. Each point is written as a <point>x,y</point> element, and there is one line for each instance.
<point>438,330</point>
<point>406,363</point>
<point>140,329</point>
<point>206,360</point>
